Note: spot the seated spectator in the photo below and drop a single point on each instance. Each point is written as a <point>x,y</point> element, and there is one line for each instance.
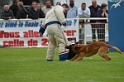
<point>14,7</point>
<point>72,13</point>
<point>84,11</point>
<point>47,7</point>
<point>66,8</point>
<point>33,12</point>
<point>102,12</point>
<point>7,13</point>
<point>41,14</point>
<point>22,12</point>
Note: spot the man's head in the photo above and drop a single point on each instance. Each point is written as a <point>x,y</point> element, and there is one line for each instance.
<point>71,3</point>
<point>15,2</point>
<point>6,7</point>
<point>65,7</point>
<point>34,4</point>
<point>20,4</point>
<point>39,6</point>
<point>83,6</point>
<point>58,3</point>
<point>94,3</point>
<point>48,4</point>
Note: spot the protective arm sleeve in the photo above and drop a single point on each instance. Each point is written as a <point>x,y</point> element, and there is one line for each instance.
<point>60,15</point>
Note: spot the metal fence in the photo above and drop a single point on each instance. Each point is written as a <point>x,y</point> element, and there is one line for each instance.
<point>93,31</point>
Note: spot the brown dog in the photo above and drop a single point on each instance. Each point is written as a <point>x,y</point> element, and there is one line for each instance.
<point>101,48</point>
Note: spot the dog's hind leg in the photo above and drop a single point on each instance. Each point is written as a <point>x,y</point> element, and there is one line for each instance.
<point>103,53</point>
<point>75,57</point>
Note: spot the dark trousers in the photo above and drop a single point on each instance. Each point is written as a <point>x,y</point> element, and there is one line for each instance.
<point>100,28</point>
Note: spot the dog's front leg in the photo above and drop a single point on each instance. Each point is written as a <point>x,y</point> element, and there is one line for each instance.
<point>80,57</point>
<point>75,57</point>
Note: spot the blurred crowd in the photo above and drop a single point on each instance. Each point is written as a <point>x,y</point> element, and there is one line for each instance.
<point>36,11</point>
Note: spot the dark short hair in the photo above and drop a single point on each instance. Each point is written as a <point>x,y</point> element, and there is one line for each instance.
<point>103,5</point>
<point>34,1</point>
<point>15,1</point>
<point>83,4</point>
<point>48,0</point>
<point>65,5</point>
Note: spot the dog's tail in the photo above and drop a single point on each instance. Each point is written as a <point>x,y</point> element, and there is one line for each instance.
<point>115,48</point>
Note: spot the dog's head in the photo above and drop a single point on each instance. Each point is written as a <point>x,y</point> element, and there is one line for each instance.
<point>75,47</point>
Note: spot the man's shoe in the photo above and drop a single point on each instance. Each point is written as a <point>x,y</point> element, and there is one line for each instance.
<point>49,60</point>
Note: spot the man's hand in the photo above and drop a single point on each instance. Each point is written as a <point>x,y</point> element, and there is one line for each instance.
<point>41,35</point>
<point>10,17</point>
<point>103,14</point>
<point>41,30</point>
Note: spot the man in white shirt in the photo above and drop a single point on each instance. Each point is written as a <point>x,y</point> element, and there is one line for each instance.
<point>47,7</point>
<point>83,12</point>
<point>72,13</point>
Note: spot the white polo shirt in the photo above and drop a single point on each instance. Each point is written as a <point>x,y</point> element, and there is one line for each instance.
<point>84,13</point>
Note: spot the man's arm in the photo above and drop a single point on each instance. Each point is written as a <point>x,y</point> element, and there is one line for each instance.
<point>88,13</point>
<point>12,16</point>
<point>3,16</point>
<point>79,11</point>
<point>59,14</point>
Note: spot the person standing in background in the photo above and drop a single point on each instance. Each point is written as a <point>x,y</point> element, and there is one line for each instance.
<point>93,9</point>
<point>47,7</point>
<point>41,14</point>
<point>14,7</point>
<point>7,13</point>
<point>83,12</point>
<point>33,12</point>
<point>22,12</point>
<point>73,11</point>
<point>66,8</point>
<point>103,13</point>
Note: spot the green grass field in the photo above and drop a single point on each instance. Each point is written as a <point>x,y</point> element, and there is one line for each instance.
<point>30,65</point>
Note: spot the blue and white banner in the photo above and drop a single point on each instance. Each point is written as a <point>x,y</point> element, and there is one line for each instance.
<point>24,33</point>
<point>116,23</point>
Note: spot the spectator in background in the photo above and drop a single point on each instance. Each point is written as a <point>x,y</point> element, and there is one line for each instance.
<point>83,12</point>
<point>72,13</point>
<point>47,7</point>
<point>14,7</point>
<point>33,12</point>
<point>93,9</point>
<point>41,14</point>
<point>7,13</point>
<point>103,13</point>
<point>66,8</point>
<point>58,3</point>
<point>22,12</point>
<point>1,9</point>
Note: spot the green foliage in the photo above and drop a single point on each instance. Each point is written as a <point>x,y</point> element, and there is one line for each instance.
<point>30,65</point>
